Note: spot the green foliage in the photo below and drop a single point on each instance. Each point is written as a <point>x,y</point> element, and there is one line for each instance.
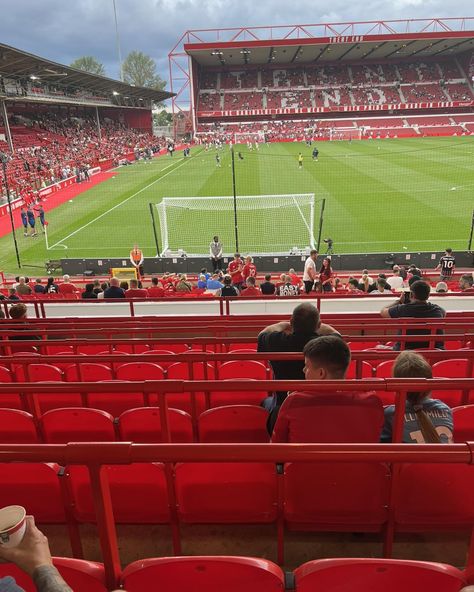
<point>89,64</point>
<point>139,69</point>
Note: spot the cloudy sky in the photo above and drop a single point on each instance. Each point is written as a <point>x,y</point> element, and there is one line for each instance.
<point>62,30</point>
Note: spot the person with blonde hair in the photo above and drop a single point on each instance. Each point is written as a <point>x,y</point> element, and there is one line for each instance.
<point>426,420</point>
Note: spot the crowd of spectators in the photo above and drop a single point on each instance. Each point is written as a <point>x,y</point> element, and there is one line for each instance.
<point>53,149</point>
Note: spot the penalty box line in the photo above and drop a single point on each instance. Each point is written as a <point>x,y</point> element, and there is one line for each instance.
<point>60,242</point>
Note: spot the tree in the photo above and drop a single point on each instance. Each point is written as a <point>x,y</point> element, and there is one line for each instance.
<point>162,118</point>
<point>139,69</point>
<point>89,64</point>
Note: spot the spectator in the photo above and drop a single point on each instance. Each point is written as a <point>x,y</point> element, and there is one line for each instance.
<point>103,288</point>
<point>39,288</point>
<point>215,252</point>
<point>202,282</point>
<point>66,287</point>
<point>19,312</point>
<point>12,295</point>
<point>135,291</point>
<point>382,287</point>
<point>441,288</point>
<point>309,273</point>
<point>446,266</point>
<point>33,556</point>
<point>304,325</point>
<point>156,289</point>
<point>251,289</point>
<point>235,271</point>
<point>295,280</point>
<point>417,307</point>
<point>227,289</point>
<point>366,281</point>
<point>288,288</point>
<point>426,420</point>
<point>267,287</point>
<point>23,289</point>
<point>395,281</point>
<point>356,417</point>
<point>114,291</point>
<point>466,283</point>
<point>51,287</point>
<point>353,286</point>
<point>325,275</point>
<point>214,284</point>
<point>89,293</point>
<point>124,285</point>
<point>183,285</point>
<point>249,269</point>
<point>97,288</point>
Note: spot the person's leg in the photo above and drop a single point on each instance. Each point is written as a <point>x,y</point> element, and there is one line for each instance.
<point>215,264</point>
<point>308,286</point>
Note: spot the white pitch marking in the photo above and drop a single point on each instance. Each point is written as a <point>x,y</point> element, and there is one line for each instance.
<point>119,204</point>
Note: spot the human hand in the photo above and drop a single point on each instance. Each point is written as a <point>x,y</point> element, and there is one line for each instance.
<point>32,552</point>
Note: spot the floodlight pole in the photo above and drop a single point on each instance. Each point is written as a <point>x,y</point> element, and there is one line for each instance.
<point>4,160</point>
<point>235,203</point>
<point>119,51</point>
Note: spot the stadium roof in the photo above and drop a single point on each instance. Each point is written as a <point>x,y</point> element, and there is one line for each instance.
<point>17,63</point>
<point>337,42</point>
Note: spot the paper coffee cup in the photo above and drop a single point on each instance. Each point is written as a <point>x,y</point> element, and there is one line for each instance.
<point>12,525</point>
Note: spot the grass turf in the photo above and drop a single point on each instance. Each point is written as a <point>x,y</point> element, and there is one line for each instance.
<point>381,196</point>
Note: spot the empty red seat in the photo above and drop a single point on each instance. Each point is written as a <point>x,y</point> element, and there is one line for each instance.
<point>48,373</point>
<point>454,368</point>
<point>85,372</point>
<point>34,486</point>
<point>366,370</point>
<point>17,427</point>
<point>80,575</point>
<point>181,371</point>
<point>239,397</point>
<point>77,424</point>
<point>233,423</point>
<point>389,575</point>
<point>316,496</point>
<point>243,369</point>
<point>140,371</point>
<point>463,419</point>
<point>434,497</point>
<point>115,403</point>
<point>226,492</point>
<point>8,400</point>
<point>139,493</point>
<point>143,425</point>
<point>212,574</point>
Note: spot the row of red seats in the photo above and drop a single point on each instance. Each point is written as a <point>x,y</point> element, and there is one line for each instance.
<point>236,574</point>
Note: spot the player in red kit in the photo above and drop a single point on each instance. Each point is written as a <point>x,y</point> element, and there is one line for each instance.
<point>249,269</point>
<point>235,271</point>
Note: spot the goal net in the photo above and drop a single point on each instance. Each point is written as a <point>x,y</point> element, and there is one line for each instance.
<point>267,224</point>
<point>345,133</point>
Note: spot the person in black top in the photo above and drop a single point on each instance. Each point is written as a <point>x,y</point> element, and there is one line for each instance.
<point>228,289</point>
<point>115,291</point>
<point>418,307</point>
<point>304,325</point>
<point>51,287</point>
<point>267,287</point>
<point>38,287</point>
<point>446,265</point>
<point>89,292</point>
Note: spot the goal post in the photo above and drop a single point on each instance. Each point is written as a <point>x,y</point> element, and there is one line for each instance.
<point>345,133</point>
<point>267,224</point>
<point>254,137</point>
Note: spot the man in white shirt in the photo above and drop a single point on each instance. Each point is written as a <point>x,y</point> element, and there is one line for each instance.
<point>395,281</point>
<point>309,274</point>
<point>215,252</point>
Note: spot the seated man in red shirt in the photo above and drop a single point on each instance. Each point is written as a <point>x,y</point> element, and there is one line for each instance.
<point>251,289</point>
<point>134,291</point>
<point>235,271</point>
<point>328,416</point>
<point>66,287</point>
<point>156,289</point>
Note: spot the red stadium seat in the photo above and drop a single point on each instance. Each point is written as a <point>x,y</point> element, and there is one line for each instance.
<point>243,397</point>
<point>162,352</point>
<point>230,493</point>
<point>115,403</point>
<point>243,369</point>
<point>74,424</point>
<point>44,373</point>
<point>34,486</point>
<point>139,493</point>
<point>140,371</point>
<point>48,373</point>
<point>463,418</point>
<point>434,497</point>
<point>139,348</point>
<point>7,400</point>
<point>455,368</point>
<point>389,575</point>
<point>80,575</point>
<point>85,372</point>
<point>233,423</point>
<point>212,574</point>
<point>143,425</point>
<point>316,496</point>
<point>180,371</point>
<point>367,370</point>
<point>17,427</point>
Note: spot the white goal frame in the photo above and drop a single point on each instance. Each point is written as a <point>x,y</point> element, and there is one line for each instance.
<point>345,133</point>
<point>244,203</point>
<point>254,137</point>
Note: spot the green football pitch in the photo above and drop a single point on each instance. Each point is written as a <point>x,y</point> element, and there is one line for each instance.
<point>380,196</point>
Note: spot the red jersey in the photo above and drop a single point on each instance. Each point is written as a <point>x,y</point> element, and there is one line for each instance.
<point>251,291</point>
<point>155,292</point>
<point>136,293</point>
<point>249,270</point>
<point>295,280</point>
<point>235,271</point>
<point>67,288</point>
